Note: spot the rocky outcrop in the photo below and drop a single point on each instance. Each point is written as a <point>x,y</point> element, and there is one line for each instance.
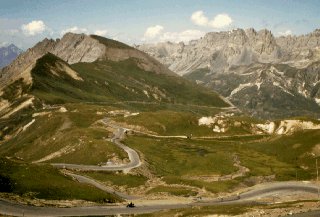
<point>21,67</point>
<point>263,75</point>
<point>217,50</point>
<point>75,48</point>
<point>220,51</point>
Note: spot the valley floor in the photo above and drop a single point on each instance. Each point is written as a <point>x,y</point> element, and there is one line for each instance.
<point>168,163</point>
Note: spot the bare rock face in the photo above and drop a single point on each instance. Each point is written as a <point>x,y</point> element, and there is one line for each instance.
<point>217,50</point>
<point>75,48</point>
<point>220,51</point>
<point>300,51</point>
<point>21,67</point>
<point>265,76</point>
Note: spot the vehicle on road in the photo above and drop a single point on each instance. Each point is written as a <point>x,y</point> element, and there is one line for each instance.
<point>130,205</point>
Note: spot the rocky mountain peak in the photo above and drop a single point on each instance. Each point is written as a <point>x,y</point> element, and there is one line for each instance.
<point>8,54</point>
<point>74,48</point>
<point>266,76</point>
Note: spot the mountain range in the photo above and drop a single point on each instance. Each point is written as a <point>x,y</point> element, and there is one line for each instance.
<point>89,69</point>
<point>73,107</point>
<point>263,75</point>
<point>8,54</point>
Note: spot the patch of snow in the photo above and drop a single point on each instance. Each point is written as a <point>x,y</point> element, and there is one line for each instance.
<point>249,73</point>
<point>240,87</point>
<point>273,69</point>
<point>282,88</point>
<point>28,125</point>
<point>302,91</point>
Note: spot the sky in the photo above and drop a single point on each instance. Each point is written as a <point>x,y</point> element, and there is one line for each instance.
<point>26,22</point>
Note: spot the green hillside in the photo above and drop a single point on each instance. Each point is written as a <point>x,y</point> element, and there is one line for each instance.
<point>108,81</point>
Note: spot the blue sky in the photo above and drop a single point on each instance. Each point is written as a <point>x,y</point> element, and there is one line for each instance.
<point>142,21</point>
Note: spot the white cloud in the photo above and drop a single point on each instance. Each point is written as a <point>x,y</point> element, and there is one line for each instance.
<point>157,34</point>
<point>33,28</point>
<point>2,44</point>
<point>101,32</point>
<point>153,31</point>
<point>199,18</point>
<point>74,29</point>
<point>285,33</point>
<point>184,36</point>
<point>218,22</point>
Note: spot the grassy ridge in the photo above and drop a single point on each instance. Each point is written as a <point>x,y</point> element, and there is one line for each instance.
<point>108,81</point>
<point>286,157</point>
<point>295,150</point>
<point>167,122</point>
<point>51,133</point>
<point>45,182</point>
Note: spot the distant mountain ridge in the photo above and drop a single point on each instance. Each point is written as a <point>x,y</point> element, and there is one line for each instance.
<point>233,62</point>
<point>220,51</point>
<point>90,69</point>
<point>8,54</point>
<point>74,48</point>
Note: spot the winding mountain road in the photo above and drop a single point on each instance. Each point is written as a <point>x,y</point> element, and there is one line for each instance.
<point>93,182</point>
<point>251,196</point>
<point>132,154</point>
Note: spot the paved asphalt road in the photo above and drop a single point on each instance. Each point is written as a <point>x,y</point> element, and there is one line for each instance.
<point>249,197</point>
<point>132,154</point>
<point>90,181</point>
<point>269,189</point>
